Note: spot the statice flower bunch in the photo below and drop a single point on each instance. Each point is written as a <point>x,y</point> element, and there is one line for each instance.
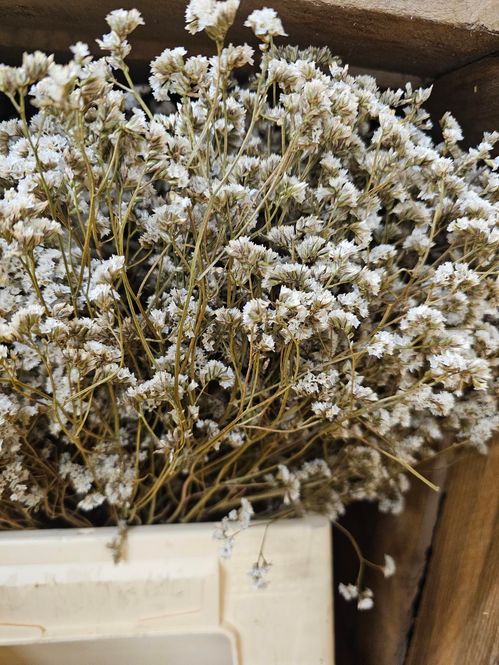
<point>254,287</point>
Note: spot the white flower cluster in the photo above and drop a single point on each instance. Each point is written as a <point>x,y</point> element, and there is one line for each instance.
<point>364,598</point>
<point>231,525</point>
<point>277,290</point>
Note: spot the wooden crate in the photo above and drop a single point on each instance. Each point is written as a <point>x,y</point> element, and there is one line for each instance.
<point>442,606</point>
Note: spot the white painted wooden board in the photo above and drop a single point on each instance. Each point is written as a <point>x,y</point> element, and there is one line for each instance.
<point>63,600</point>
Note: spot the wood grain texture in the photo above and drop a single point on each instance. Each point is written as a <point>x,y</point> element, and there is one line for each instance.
<point>458,620</point>
<point>467,13</point>
<point>424,38</point>
<point>379,637</point>
<point>472,94</point>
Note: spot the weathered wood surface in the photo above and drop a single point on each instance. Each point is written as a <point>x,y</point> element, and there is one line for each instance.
<point>442,606</point>
<point>472,94</point>
<point>426,38</point>
<point>379,637</point>
<point>458,619</point>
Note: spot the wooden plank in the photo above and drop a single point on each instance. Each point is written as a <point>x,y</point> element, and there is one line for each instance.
<point>379,636</point>
<point>425,38</point>
<point>459,613</point>
<point>467,13</point>
<point>472,94</point>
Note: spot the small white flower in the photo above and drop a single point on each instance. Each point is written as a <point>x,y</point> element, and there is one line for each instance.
<point>167,72</point>
<point>422,319</point>
<point>389,567</point>
<point>291,483</point>
<point>348,591</point>
<point>91,501</point>
<point>265,23</point>
<point>258,574</point>
<point>123,21</point>
<point>384,343</point>
<point>231,525</point>
<point>326,410</point>
<point>255,313</point>
<point>213,16</point>
<point>103,272</point>
<point>365,601</point>
<point>214,370</point>
<point>80,52</point>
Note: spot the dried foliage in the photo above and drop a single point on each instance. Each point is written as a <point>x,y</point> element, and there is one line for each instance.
<point>279,292</point>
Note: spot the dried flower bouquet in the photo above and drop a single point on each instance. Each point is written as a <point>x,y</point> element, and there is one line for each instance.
<point>260,295</point>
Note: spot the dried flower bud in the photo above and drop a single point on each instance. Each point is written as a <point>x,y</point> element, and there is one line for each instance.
<point>213,16</point>
<point>123,22</point>
<point>265,23</point>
